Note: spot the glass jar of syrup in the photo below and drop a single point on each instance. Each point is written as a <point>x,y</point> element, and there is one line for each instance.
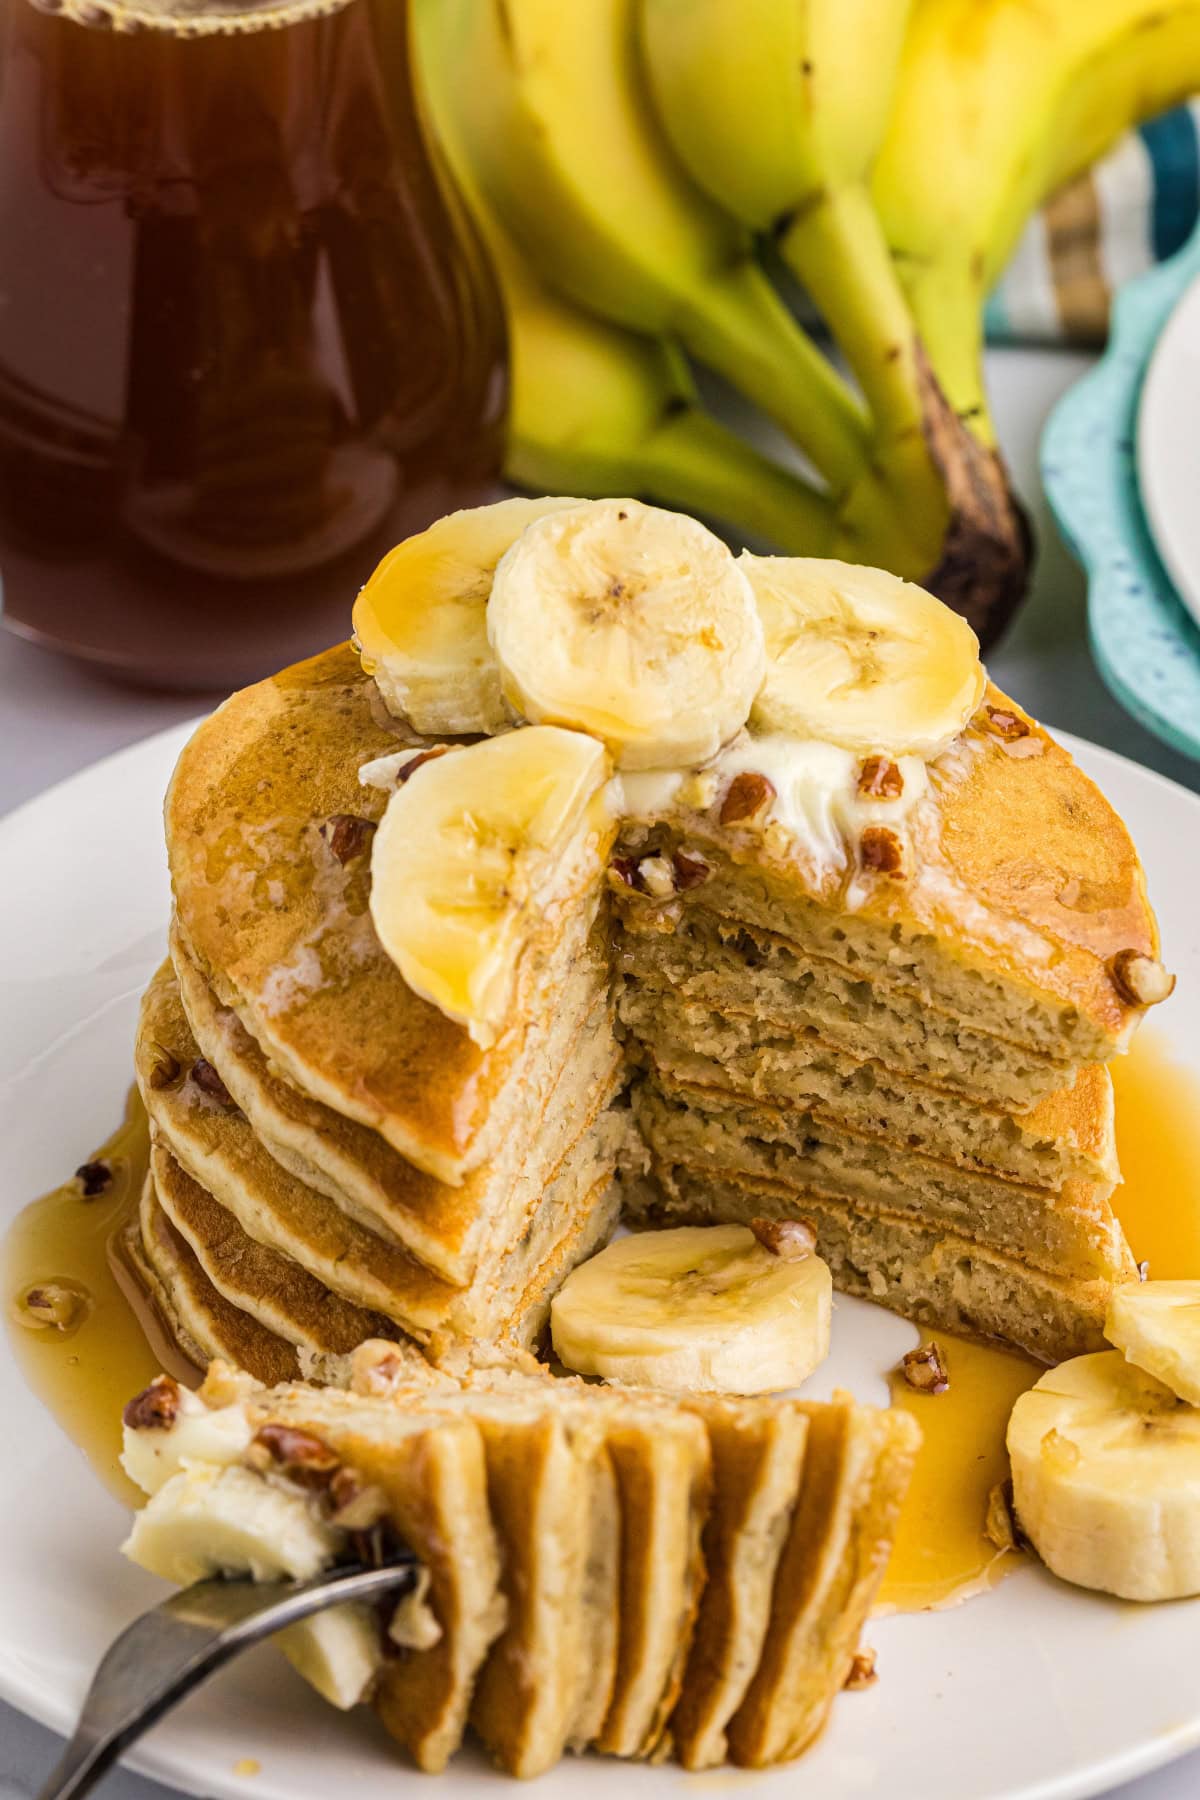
<point>245,345</point>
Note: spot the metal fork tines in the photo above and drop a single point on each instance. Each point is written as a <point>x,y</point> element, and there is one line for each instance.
<point>169,1651</point>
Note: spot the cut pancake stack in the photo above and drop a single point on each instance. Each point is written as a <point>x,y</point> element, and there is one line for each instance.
<point>604,1567</point>
<point>914,1062</point>
<point>934,1100</point>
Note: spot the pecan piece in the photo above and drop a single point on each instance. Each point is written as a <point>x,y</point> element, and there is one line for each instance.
<point>881,851</point>
<point>791,1240</point>
<point>863,1673</point>
<point>210,1083</point>
<point>1140,980</point>
<point>747,800</point>
<point>355,1505</point>
<point>1006,724</point>
<point>155,1408</point>
<point>925,1370</point>
<point>347,835</point>
<point>54,1306</point>
<point>691,870</point>
<point>623,873</point>
<point>94,1178</point>
<point>880,779</point>
<point>998,1524</point>
<point>303,1458</point>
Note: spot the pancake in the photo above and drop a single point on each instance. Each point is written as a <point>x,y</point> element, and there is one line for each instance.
<point>281,930</point>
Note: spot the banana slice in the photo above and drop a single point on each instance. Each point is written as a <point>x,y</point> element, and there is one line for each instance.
<point>859,658</point>
<point>1157,1325</point>
<point>421,625</point>
<point>473,850</point>
<point>1106,1478</point>
<point>632,623</point>
<point>703,1306</point>
<point>209,1520</point>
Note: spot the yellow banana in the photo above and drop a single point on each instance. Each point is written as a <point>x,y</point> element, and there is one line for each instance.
<point>596,408</point>
<point>561,138</point>
<point>778,114</point>
<point>999,102</point>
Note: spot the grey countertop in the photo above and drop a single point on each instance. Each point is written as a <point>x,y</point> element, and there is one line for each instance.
<point>57,717</point>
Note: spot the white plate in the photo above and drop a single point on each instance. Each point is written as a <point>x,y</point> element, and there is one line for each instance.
<point>1035,1691</point>
<point>1168,447</point>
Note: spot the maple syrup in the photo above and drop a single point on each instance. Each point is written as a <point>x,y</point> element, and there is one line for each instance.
<point>1158,1145</point>
<point>942,1553</point>
<point>89,1341</point>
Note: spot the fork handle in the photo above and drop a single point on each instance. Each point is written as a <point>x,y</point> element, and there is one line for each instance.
<point>170,1650</point>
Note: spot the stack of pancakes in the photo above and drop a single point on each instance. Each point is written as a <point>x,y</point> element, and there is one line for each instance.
<point>601,1566</point>
<point>920,1074</point>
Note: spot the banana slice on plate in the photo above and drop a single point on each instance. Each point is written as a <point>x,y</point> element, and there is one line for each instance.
<point>474,850</point>
<point>703,1307</point>
<point>1157,1325</point>
<point>859,658</point>
<point>207,1520</point>
<point>1106,1478</point>
<point>632,623</point>
<point>421,625</point>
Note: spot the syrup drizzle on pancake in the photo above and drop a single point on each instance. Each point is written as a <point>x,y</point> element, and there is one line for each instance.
<point>85,1373</point>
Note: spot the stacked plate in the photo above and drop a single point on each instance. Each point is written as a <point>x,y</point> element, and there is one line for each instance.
<point>1121,467</point>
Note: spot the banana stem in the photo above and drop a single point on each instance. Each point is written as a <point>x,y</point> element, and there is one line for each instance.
<point>947,303</point>
<point>696,463</point>
<point>743,330</point>
<point>688,462</point>
<point>836,247</point>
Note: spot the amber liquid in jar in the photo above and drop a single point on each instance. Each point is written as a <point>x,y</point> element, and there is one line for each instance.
<point>244,344</point>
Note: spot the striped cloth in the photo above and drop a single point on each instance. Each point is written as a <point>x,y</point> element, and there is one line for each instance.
<point>1128,212</point>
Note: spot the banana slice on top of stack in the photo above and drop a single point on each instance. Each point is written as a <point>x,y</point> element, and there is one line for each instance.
<point>1105,1452</point>
<point>612,630</point>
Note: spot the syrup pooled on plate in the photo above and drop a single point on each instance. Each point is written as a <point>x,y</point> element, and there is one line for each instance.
<point>942,1553</point>
<point>81,1330</point>
<point>1158,1144</point>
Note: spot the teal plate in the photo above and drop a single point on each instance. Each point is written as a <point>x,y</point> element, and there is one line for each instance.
<point>1146,645</point>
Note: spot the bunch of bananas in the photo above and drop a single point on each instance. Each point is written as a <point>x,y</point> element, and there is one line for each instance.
<point>637,167</point>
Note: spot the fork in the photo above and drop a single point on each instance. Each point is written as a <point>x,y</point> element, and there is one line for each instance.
<point>170,1650</point>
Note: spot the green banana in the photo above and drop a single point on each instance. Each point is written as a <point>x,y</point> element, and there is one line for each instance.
<point>598,409</point>
<point>562,140</point>
<point>998,103</point>
<point>777,109</point>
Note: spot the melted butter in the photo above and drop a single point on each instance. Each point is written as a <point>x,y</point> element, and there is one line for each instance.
<point>941,1553</point>
<point>1158,1143</point>
<point>85,1373</point>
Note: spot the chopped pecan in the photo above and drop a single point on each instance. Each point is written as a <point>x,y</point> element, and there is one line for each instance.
<point>1140,980</point>
<point>881,851</point>
<point>54,1305</point>
<point>210,1083</point>
<point>789,1239</point>
<point>863,1673</point>
<point>94,1178</point>
<point>691,870</point>
<point>623,873</point>
<point>999,1527</point>
<point>1008,724</point>
<point>925,1370</point>
<point>880,779</point>
<point>156,1407</point>
<point>747,800</point>
<point>166,1069</point>
<point>347,835</point>
<point>303,1458</point>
